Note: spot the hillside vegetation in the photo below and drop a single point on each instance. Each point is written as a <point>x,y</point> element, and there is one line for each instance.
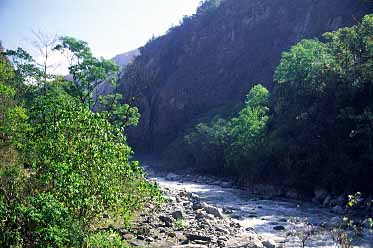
<point>313,130</point>
<point>63,168</point>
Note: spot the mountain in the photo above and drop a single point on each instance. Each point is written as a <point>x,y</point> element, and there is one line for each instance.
<point>122,60</point>
<point>211,60</point>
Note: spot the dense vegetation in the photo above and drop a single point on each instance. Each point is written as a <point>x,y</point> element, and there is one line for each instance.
<point>63,167</point>
<point>314,129</point>
<point>214,57</point>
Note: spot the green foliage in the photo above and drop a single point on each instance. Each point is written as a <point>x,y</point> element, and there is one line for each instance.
<point>224,146</point>
<point>87,71</point>
<point>62,166</point>
<point>322,107</point>
<point>105,240</point>
<point>314,130</point>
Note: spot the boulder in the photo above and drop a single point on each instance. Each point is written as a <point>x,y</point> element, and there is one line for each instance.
<point>279,228</point>
<point>167,220</point>
<point>177,215</point>
<point>194,237</point>
<point>214,211</point>
<point>172,177</point>
<point>245,241</point>
<point>269,244</point>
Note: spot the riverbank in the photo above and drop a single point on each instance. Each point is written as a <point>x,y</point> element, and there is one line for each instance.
<point>184,220</point>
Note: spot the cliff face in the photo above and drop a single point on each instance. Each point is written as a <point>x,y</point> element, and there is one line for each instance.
<point>214,57</point>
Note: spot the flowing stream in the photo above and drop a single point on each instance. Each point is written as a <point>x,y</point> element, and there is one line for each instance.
<point>264,215</point>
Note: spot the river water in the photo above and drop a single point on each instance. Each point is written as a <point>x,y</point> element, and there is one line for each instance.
<point>264,215</point>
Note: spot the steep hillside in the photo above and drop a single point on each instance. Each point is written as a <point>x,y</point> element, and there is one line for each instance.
<point>214,57</point>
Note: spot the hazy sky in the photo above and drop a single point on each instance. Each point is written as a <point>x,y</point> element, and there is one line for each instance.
<point>109,26</point>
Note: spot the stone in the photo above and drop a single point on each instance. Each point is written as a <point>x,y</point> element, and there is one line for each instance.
<point>172,177</point>
<point>227,211</point>
<point>250,229</point>
<point>223,238</point>
<point>194,237</point>
<point>178,215</point>
<point>128,236</point>
<point>214,211</point>
<point>245,241</point>
<point>279,228</point>
<point>269,244</point>
<point>189,246</point>
<point>221,230</point>
<point>197,205</point>
<point>167,220</point>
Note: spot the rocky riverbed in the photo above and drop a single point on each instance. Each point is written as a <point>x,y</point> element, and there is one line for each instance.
<point>184,220</point>
<point>210,212</point>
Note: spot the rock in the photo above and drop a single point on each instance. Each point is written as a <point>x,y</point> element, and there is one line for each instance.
<point>279,228</point>
<point>194,197</point>
<point>189,246</point>
<point>172,177</point>
<point>250,229</point>
<point>245,241</point>
<point>149,239</point>
<point>338,210</point>
<point>221,230</point>
<point>167,220</point>
<point>269,244</point>
<point>128,236</point>
<point>140,237</point>
<point>223,238</point>
<point>138,243</point>
<point>197,205</point>
<point>227,211</point>
<point>194,237</point>
<point>214,211</point>
<point>178,215</point>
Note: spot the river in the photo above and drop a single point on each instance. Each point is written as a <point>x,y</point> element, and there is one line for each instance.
<point>264,214</point>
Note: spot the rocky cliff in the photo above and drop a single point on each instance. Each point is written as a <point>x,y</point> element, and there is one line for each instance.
<point>213,58</point>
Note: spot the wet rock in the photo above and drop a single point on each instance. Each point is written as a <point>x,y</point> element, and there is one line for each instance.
<point>227,211</point>
<point>172,177</point>
<point>214,211</point>
<point>269,244</point>
<point>178,215</point>
<point>197,205</point>
<point>279,228</point>
<point>250,229</point>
